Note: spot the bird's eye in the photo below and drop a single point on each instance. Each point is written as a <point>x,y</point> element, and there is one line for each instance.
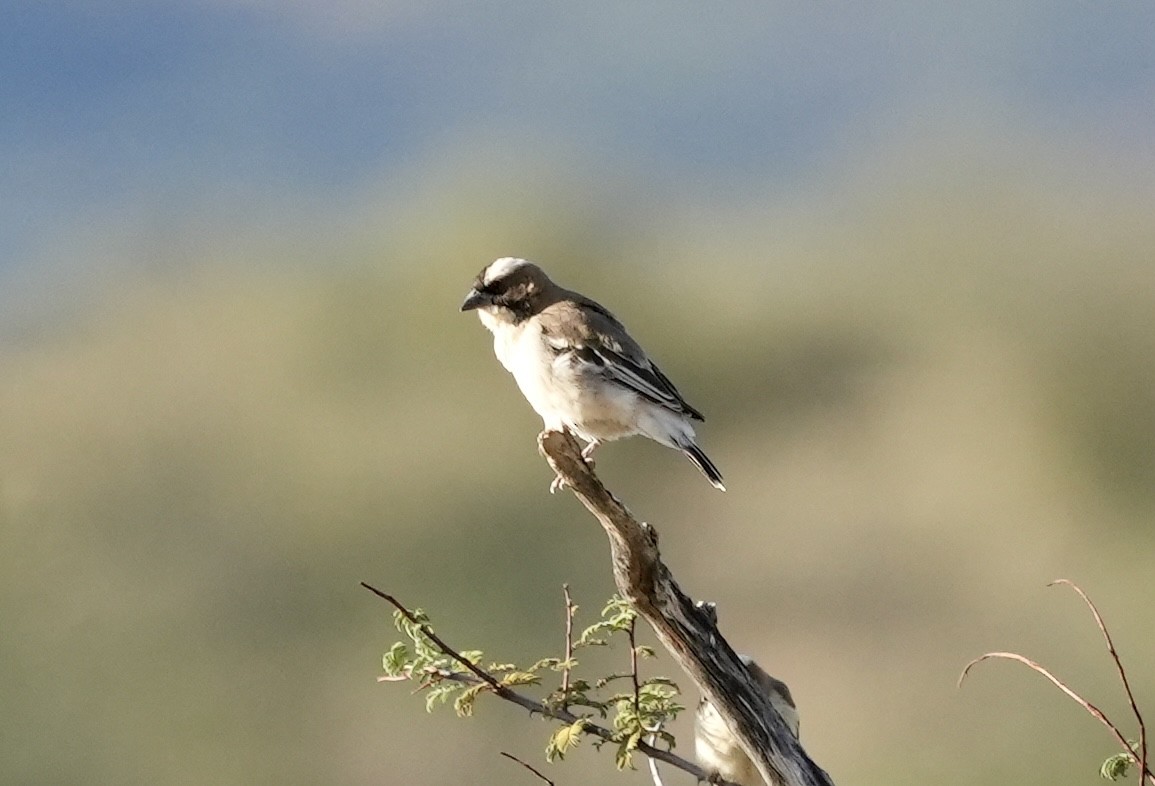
<point>497,287</point>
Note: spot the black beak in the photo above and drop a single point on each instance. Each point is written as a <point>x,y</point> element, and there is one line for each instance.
<point>476,299</point>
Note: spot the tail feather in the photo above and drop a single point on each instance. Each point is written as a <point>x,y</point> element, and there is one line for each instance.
<point>703,463</point>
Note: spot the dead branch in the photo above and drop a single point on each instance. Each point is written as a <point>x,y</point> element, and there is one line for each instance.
<point>1145,773</point>
<point>1119,670</point>
<point>1039,668</point>
<point>687,630</point>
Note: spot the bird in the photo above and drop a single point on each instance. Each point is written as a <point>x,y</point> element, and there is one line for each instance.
<point>577,365</point>
<point>717,749</point>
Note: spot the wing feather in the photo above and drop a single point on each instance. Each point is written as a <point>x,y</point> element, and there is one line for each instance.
<point>591,335</point>
<point>645,379</point>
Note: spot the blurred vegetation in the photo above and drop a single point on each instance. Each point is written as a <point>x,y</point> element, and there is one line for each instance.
<point>929,396</point>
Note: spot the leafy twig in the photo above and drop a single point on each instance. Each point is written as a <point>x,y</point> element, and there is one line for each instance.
<point>632,633</point>
<point>482,675</point>
<point>477,676</point>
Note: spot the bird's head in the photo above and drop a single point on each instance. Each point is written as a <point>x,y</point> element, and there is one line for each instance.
<point>507,290</point>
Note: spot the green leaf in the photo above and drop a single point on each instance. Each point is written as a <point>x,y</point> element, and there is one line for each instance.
<point>590,637</point>
<point>520,678</point>
<point>565,739</point>
<point>624,757</point>
<point>463,704</point>
<point>439,694</point>
<point>473,656</point>
<point>1117,766</point>
<point>396,660</point>
<point>618,613</point>
<point>557,664</point>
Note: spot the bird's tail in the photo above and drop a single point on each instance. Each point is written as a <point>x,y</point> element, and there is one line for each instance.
<point>702,462</point>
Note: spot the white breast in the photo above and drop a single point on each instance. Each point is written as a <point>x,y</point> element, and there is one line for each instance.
<point>523,353</point>
<point>717,750</point>
<point>562,391</point>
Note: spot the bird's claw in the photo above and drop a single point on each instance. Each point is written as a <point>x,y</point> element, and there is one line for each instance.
<point>557,485</point>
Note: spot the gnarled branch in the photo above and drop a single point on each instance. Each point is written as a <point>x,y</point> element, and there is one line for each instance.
<point>687,630</point>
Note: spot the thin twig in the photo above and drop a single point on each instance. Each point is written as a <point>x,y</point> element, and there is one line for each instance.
<point>1088,706</point>
<point>481,674</point>
<point>531,769</point>
<point>1144,772</point>
<point>478,675</point>
<point>634,667</point>
<point>633,635</point>
<point>570,610</point>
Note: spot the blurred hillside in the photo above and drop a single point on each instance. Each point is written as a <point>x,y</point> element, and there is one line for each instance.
<point>928,399</point>
<point>903,259</point>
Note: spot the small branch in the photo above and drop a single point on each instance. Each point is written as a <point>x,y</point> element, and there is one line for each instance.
<point>523,764</point>
<point>478,675</point>
<point>1119,668</point>
<point>1088,706</point>
<point>687,631</point>
<point>482,675</point>
<point>565,716</point>
<point>570,610</point>
<point>632,633</point>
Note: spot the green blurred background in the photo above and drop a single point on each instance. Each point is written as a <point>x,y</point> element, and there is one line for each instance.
<point>904,260</point>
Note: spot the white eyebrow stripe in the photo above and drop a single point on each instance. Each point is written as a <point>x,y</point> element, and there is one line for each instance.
<point>500,268</point>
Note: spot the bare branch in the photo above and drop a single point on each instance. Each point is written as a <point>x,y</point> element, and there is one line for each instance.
<point>1119,668</point>
<point>531,769</point>
<point>687,631</point>
<point>1088,706</point>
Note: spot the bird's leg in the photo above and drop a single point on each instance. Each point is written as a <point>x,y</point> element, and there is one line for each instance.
<point>588,452</point>
<point>587,455</point>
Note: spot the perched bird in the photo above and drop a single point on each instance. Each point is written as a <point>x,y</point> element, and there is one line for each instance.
<point>576,364</point>
<point>718,751</point>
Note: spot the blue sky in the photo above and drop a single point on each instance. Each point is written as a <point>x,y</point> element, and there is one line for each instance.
<point>123,108</point>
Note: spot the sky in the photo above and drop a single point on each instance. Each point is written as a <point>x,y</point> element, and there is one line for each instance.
<point>133,113</point>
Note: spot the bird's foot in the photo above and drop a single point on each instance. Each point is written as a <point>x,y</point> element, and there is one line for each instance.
<point>588,454</point>
<point>557,485</point>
